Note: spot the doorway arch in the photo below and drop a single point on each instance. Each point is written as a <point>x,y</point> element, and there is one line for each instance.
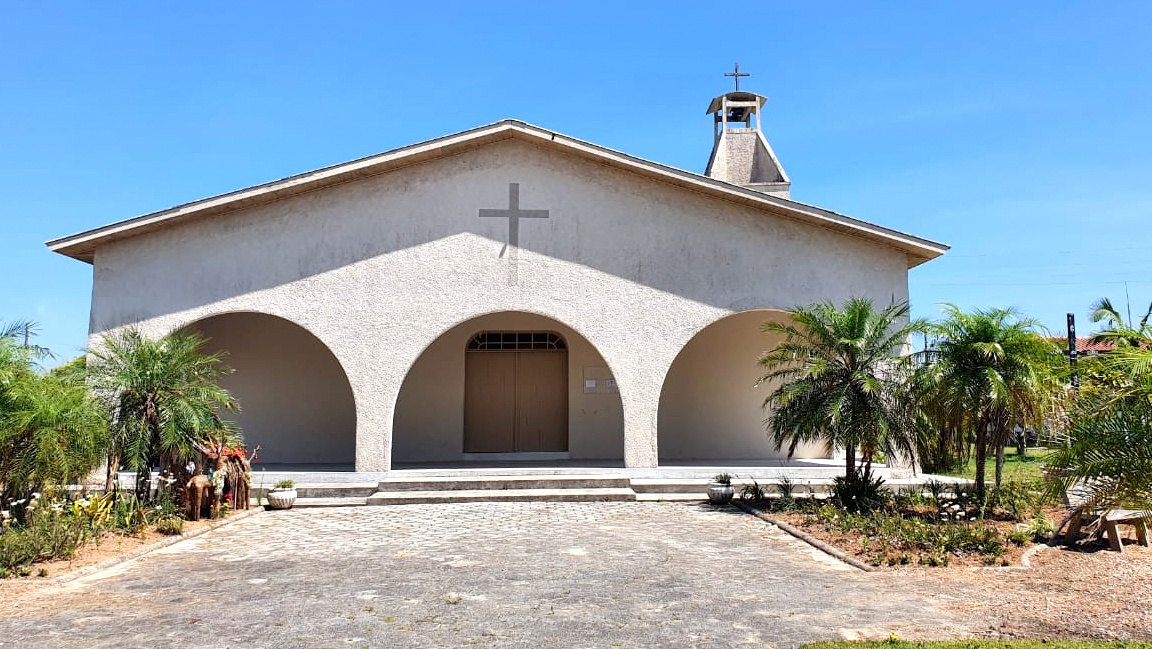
<point>432,407</point>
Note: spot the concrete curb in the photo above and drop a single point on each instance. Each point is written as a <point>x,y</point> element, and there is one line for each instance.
<point>1026,558</point>
<point>139,552</point>
<point>805,537</point>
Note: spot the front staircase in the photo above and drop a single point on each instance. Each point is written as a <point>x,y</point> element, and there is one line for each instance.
<point>468,488</point>
<point>461,487</point>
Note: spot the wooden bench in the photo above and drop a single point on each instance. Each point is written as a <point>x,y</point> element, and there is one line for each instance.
<point>1076,499</point>
<point>1118,517</point>
<point>1110,524</point>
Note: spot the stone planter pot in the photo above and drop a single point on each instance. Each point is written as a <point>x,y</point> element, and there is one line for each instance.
<point>281,498</point>
<point>719,494</point>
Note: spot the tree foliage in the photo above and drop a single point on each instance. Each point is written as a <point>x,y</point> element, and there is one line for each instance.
<point>987,371</point>
<point>1109,450</point>
<point>1129,365</point>
<point>840,379</point>
<point>52,431</point>
<point>1109,455</point>
<point>163,398</point>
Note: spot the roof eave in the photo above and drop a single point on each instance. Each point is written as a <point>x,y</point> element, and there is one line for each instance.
<point>82,246</point>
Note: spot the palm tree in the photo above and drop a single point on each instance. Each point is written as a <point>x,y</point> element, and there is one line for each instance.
<point>1114,325</point>
<point>51,428</point>
<point>842,381</point>
<point>1109,454</point>
<point>18,332</point>
<point>989,369</point>
<point>1132,351</point>
<point>52,433</point>
<point>162,397</point>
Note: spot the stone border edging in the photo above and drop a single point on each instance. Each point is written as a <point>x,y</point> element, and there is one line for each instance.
<point>1026,558</point>
<point>139,552</point>
<point>805,537</point>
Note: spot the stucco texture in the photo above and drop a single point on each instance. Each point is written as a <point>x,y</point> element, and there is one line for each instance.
<point>380,268</point>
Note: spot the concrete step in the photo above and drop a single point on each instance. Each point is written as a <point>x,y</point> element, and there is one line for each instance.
<point>670,486</point>
<point>496,495</point>
<point>671,497</point>
<point>330,502</point>
<point>336,489</point>
<point>505,482</point>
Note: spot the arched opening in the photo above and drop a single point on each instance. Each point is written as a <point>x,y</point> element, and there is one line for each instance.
<point>296,402</point>
<point>509,387</point>
<point>710,407</point>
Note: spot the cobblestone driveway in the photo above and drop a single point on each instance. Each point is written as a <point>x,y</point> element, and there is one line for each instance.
<point>488,574</point>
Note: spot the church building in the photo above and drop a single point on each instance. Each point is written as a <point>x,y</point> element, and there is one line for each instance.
<point>506,294</point>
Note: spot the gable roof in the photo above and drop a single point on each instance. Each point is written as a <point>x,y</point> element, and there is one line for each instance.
<point>82,246</point>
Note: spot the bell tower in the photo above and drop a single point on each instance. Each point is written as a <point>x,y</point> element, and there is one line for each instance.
<point>741,154</point>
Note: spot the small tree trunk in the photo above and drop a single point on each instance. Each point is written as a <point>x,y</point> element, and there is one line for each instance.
<point>849,461</point>
<point>111,473</point>
<point>1000,462</point>
<point>981,457</point>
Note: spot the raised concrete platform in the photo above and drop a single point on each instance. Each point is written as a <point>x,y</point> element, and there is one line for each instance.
<point>467,482</point>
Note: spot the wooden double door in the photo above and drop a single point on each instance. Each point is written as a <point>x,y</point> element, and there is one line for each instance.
<point>516,401</point>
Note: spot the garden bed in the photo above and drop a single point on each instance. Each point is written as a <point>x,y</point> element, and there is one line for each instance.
<point>943,525</point>
<point>41,537</point>
<point>901,553</point>
<point>111,544</point>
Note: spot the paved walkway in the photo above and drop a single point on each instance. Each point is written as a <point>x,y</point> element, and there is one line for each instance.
<point>488,574</point>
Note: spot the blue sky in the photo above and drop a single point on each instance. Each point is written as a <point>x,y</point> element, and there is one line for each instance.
<point>1016,132</point>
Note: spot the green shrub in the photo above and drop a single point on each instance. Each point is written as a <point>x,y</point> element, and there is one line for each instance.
<point>859,491</point>
<point>936,488</point>
<point>170,525</point>
<point>1019,537</point>
<point>48,533</point>
<point>786,487</point>
<point>1019,500</point>
<point>1041,528</point>
<point>753,492</point>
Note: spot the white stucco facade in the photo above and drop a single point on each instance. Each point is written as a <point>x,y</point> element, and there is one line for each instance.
<point>389,269</point>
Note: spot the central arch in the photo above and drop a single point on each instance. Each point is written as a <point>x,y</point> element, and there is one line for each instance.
<point>508,387</point>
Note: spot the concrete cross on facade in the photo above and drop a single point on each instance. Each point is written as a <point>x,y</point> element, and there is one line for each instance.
<point>513,214</point>
<point>736,74</point>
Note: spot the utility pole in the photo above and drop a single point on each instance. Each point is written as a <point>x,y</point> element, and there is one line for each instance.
<point>1072,350</point>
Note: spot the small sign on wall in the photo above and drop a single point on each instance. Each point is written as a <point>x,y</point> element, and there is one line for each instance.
<point>599,380</point>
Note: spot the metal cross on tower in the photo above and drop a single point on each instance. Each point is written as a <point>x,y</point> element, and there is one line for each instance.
<point>736,74</point>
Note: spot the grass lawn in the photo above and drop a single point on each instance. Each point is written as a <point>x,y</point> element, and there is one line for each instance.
<point>1019,468</point>
<point>981,644</point>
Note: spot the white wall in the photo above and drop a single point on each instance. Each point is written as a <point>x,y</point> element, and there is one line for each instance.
<point>711,407</point>
<point>380,268</point>
<point>429,420</point>
<point>295,402</point>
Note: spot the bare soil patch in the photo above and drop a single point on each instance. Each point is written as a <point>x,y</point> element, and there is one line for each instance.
<point>1088,592</point>
<point>1085,591</point>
